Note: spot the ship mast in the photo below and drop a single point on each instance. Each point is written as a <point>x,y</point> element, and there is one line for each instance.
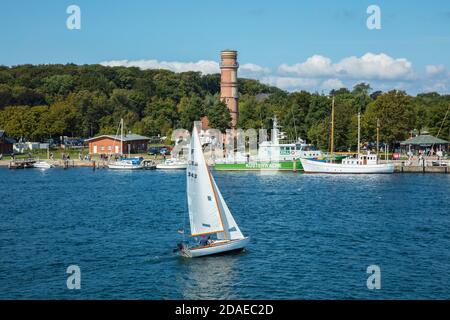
<point>332,128</point>
<point>378,136</point>
<point>121,137</point>
<point>359,129</point>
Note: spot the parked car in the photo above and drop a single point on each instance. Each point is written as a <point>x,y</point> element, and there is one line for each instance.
<point>153,151</point>
<point>163,150</point>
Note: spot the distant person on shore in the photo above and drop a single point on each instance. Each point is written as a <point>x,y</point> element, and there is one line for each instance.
<point>1,156</point>
<point>51,156</point>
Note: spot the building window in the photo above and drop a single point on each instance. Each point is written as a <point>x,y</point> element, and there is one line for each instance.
<point>109,148</point>
<point>102,148</point>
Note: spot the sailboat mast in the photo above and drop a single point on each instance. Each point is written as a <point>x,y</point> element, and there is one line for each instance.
<point>332,128</point>
<point>378,136</point>
<point>359,129</point>
<point>121,136</point>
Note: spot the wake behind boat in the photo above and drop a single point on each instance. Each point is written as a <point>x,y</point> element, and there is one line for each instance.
<point>209,214</point>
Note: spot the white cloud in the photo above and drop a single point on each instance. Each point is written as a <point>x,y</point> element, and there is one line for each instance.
<point>369,66</point>
<point>331,84</point>
<point>290,83</point>
<point>203,66</point>
<point>321,73</point>
<point>253,69</point>
<point>433,70</point>
<point>314,67</point>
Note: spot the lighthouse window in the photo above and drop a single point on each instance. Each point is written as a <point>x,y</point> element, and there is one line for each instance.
<point>209,198</point>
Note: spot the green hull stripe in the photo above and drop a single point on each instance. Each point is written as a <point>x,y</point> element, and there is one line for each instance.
<point>285,166</point>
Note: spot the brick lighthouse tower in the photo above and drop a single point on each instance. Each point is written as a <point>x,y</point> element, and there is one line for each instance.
<point>228,83</point>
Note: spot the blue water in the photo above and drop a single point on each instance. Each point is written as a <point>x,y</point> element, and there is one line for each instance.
<point>312,236</point>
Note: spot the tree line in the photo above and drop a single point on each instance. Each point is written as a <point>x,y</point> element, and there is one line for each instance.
<point>38,102</point>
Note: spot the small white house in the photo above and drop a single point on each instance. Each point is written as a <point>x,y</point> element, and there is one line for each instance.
<point>22,147</point>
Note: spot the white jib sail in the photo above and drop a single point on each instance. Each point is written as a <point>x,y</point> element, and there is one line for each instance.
<point>204,215</point>
<point>233,232</point>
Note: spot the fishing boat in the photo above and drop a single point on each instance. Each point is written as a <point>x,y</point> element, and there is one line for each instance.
<point>209,214</point>
<point>172,164</point>
<point>42,165</point>
<point>361,163</point>
<point>272,155</point>
<point>125,163</point>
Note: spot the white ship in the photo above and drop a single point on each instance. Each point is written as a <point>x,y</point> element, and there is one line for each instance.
<point>361,163</point>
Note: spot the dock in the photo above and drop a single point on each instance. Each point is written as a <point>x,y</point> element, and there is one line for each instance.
<point>21,164</point>
<point>422,169</point>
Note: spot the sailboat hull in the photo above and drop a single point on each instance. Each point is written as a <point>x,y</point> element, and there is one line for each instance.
<point>220,246</point>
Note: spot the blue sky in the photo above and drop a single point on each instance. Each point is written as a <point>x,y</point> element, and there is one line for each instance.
<point>312,45</point>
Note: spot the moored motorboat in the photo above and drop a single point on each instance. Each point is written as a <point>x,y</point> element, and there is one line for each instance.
<point>126,164</point>
<point>172,164</point>
<point>42,165</point>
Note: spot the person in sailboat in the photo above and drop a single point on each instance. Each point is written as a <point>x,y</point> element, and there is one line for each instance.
<point>203,241</point>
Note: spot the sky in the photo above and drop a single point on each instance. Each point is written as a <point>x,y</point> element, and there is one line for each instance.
<point>295,45</point>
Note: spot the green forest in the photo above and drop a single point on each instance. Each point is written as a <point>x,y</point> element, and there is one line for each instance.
<point>38,102</point>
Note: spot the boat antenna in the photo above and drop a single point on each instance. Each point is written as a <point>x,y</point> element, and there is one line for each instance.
<point>332,128</point>
<point>359,130</point>
<point>115,137</point>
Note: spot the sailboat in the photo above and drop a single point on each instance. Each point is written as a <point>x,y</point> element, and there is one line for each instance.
<point>125,163</point>
<point>209,214</point>
<point>361,163</point>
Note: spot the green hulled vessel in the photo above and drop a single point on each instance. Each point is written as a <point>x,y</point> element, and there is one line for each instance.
<point>260,166</point>
<point>272,155</point>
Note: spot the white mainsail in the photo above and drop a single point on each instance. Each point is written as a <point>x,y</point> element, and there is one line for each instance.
<point>204,212</point>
